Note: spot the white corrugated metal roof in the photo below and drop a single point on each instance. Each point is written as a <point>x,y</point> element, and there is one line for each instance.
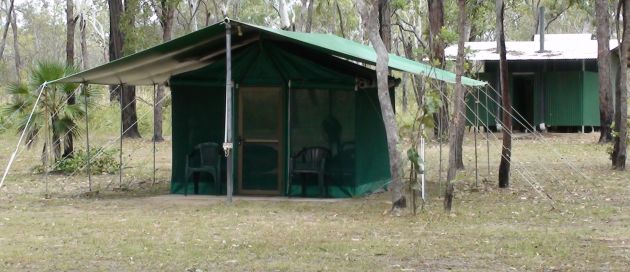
<point>557,46</point>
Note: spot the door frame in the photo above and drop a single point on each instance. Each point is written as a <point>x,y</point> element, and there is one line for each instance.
<point>279,136</point>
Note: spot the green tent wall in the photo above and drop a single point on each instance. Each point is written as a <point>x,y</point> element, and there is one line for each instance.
<point>306,77</point>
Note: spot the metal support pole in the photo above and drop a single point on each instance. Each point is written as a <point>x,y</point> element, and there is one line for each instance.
<point>475,131</point>
<point>87,138</point>
<point>422,181</point>
<point>120,155</point>
<point>487,107</point>
<point>48,142</point>
<point>154,123</point>
<point>440,139</point>
<point>17,146</point>
<point>228,140</point>
<point>288,152</point>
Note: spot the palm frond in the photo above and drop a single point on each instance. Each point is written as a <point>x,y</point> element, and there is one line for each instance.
<point>74,112</point>
<point>65,125</point>
<point>46,71</point>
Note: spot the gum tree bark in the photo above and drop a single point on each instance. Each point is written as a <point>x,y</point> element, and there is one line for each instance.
<point>455,147</point>
<point>6,28</point>
<point>506,150</point>
<point>603,66</point>
<point>369,11</point>
<point>165,10</point>
<point>71,21</point>
<point>126,94</point>
<point>621,104</point>
<point>436,23</point>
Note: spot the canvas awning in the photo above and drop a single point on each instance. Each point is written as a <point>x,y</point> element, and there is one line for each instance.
<point>200,48</point>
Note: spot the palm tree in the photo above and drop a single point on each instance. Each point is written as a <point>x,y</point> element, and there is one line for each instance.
<point>53,119</point>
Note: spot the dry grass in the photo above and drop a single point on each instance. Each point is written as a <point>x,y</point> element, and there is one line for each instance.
<point>585,227</point>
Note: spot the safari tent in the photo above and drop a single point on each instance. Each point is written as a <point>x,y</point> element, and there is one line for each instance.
<point>277,112</point>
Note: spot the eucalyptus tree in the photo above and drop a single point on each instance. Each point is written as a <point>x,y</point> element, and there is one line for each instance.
<point>620,146</point>
<point>603,67</point>
<point>455,146</point>
<point>165,11</point>
<point>506,147</point>
<point>5,29</point>
<point>121,20</point>
<point>370,13</point>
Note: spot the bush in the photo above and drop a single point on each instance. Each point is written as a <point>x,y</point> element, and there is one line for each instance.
<point>102,161</point>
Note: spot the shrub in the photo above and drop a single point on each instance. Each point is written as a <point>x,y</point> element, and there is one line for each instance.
<point>102,161</point>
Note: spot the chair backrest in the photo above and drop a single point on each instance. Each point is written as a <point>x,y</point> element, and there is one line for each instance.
<point>209,153</point>
<point>313,155</point>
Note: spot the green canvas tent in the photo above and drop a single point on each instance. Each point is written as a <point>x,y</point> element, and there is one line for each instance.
<point>270,94</point>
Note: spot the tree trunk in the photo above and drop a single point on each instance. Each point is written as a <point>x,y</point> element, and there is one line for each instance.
<point>126,94</point>
<point>167,15</point>
<point>341,27</point>
<point>419,90</point>
<point>129,118</point>
<point>115,40</point>
<point>385,26</point>
<point>284,15</point>
<point>506,150</point>
<point>603,66</point>
<point>369,15</point>
<point>455,149</point>
<point>436,22</point>
<point>70,27</point>
<point>621,104</point>
<point>6,29</point>
<point>56,139</point>
<point>85,64</point>
<point>309,18</point>
<point>68,141</point>
<point>16,47</point>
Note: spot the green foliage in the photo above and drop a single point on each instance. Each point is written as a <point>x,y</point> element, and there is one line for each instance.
<point>52,113</point>
<point>615,134</point>
<point>102,161</point>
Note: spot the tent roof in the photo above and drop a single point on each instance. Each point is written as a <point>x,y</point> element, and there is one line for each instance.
<point>200,48</point>
<point>557,47</point>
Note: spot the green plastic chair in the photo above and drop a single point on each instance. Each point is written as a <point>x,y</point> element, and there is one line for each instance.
<point>309,161</point>
<point>204,158</point>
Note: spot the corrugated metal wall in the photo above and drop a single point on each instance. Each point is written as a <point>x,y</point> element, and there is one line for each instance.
<point>564,95</point>
<point>591,99</point>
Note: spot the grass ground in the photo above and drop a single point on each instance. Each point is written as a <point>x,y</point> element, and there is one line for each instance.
<point>584,227</point>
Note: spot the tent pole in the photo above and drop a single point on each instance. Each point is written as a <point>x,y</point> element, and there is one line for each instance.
<point>439,138</point>
<point>154,94</point>
<point>48,144</point>
<point>227,143</point>
<point>120,155</point>
<point>87,138</point>
<point>288,145</point>
<point>487,131</point>
<point>424,200</point>
<point>40,90</point>
<point>475,131</point>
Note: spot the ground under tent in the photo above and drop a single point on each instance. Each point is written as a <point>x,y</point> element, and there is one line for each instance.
<point>266,96</point>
